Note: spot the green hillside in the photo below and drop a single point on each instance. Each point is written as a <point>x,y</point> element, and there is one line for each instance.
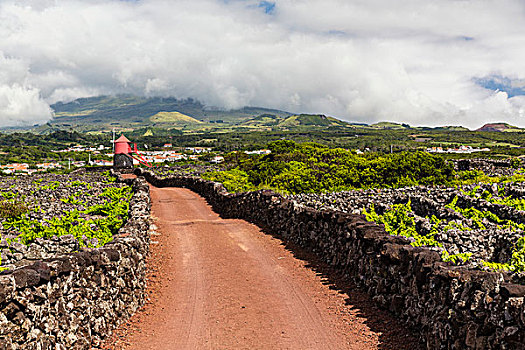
<point>271,121</point>
<point>105,112</point>
<point>173,118</point>
<point>311,120</point>
<point>451,128</point>
<point>389,126</point>
<point>262,120</point>
<point>102,113</point>
<point>500,127</point>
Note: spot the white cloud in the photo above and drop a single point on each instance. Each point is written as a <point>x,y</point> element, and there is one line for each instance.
<point>20,103</point>
<point>410,61</point>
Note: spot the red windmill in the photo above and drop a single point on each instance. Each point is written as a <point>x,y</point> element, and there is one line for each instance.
<point>122,145</point>
<point>123,157</point>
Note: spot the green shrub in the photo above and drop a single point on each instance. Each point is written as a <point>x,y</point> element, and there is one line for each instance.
<point>515,163</point>
<point>12,209</point>
<point>234,180</point>
<point>471,176</point>
<point>309,167</point>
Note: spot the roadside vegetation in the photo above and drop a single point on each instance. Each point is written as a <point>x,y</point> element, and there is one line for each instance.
<point>312,168</point>
<point>293,168</point>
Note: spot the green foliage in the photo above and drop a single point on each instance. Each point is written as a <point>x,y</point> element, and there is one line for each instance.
<point>497,266</point>
<point>11,210</point>
<point>456,259</point>
<point>518,256</point>
<point>297,178</point>
<point>516,203</point>
<point>310,167</point>
<point>9,194</point>
<point>517,262</point>
<point>477,216</point>
<point>398,221</point>
<point>71,200</point>
<point>108,177</point>
<point>234,180</point>
<point>110,216</point>
<point>117,193</point>
<point>452,225</point>
<point>469,177</point>
<point>515,163</point>
<point>282,146</point>
<point>77,183</point>
<point>51,186</point>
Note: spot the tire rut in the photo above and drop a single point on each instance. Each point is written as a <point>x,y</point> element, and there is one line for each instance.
<point>224,284</point>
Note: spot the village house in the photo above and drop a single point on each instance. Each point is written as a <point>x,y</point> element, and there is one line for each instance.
<point>260,152</point>
<point>217,159</point>
<point>80,148</point>
<point>102,162</point>
<point>460,149</point>
<point>159,159</point>
<point>14,168</point>
<point>198,150</point>
<point>47,166</point>
<point>174,157</point>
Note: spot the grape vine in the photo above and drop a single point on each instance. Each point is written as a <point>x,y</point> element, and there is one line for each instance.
<point>92,225</point>
<point>399,220</point>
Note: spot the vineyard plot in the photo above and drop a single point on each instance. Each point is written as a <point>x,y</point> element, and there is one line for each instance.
<point>45,215</point>
<point>482,226</point>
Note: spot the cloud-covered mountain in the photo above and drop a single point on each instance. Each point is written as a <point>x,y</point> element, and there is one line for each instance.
<point>431,62</point>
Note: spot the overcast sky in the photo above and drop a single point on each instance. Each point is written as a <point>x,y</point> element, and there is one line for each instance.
<point>442,62</point>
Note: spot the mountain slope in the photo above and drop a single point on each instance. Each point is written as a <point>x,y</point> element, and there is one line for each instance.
<point>104,112</point>
<point>297,120</point>
<point>500,127</point>
<point>262,120</point>
<point>311,120</point>
<point>173,118</point>
<point>389,126</point>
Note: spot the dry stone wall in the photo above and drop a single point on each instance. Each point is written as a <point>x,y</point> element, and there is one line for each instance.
<point>73,300</point>
<point>453,307</point>
<point>494,242</point>
<point>490,167</point>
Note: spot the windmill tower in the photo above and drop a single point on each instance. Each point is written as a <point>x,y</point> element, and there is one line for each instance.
<point>122,158</point>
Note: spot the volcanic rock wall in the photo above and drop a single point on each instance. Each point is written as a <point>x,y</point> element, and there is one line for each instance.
<point>452,307</point>
<point>491,243</point>
<point>72,301</point>
<point>491,167</point>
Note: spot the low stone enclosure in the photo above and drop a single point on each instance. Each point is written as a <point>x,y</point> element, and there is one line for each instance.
<point>491,167</point>
<point>73,300</point>
<point>452,307</point>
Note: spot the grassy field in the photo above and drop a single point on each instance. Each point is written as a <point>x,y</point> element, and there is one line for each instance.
<point>173,118</point>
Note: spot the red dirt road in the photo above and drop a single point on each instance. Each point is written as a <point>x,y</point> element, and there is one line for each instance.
<point>224,284</point>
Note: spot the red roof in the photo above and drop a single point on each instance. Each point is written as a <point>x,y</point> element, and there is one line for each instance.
<point>122,138</point>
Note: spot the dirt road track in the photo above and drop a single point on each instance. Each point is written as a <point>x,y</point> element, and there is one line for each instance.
<point>223,284</point>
